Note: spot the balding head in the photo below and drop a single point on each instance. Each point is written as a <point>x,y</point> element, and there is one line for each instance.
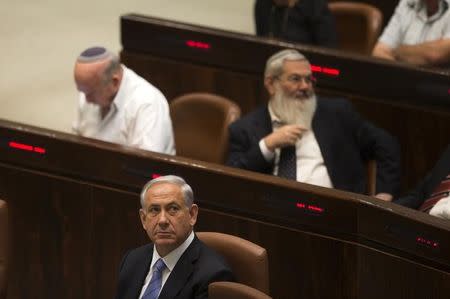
<point>98,75</point>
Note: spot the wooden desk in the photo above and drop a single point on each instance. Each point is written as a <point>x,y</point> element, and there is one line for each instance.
<point>74,212</point>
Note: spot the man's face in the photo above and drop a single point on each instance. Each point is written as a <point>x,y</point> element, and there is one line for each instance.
<point>295,80</point>
<point>89,80</point>
<point>166,218</point>
<point>292,95</point>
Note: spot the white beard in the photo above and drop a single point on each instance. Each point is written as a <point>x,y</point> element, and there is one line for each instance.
<point>293,110</point>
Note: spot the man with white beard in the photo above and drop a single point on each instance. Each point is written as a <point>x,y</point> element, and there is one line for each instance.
<point>314,140</point>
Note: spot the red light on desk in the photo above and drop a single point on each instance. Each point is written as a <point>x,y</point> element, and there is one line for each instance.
<point>21,146</point>
<point>311,208</point>
<point>26,147</point>
<point>325,70</point>
<point>155,176</point>
<point>198,45</point>
<point>427,242</point>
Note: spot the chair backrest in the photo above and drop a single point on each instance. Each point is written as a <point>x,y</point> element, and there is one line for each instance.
<point>248,261</point>
<point>228,290</point>
<point>200,123</point>
<point>3,247</point>
<point>358,25</point>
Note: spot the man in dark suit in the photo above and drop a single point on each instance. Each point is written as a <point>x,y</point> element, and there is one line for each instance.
<point>435,187</point>
<point>329,142</point>
<point>177,264</point>
<point>306,21</point>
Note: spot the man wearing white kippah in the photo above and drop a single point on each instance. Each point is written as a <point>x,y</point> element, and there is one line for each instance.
<point>117,105</point>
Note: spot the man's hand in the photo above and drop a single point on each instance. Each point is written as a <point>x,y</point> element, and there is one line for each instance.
<point>284,136</point>
<point>384,196</point>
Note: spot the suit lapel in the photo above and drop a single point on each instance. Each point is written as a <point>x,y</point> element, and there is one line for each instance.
<point>324,129</point>
<point>262,125</point>
<point>182,271</point>
<point>141,273</point>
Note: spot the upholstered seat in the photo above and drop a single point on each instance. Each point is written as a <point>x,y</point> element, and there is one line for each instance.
<point>200,123</point>
<point>233,290</point>
<point>358,25</point>
<point>248,261</point>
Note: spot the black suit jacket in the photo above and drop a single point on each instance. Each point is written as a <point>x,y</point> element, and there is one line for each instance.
<point>416,197</point>
<point>194,271</point>
<point>308,22</point>
<point>345,140</point>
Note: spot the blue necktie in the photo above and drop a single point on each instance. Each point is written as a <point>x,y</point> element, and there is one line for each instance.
<point>152,290</point>
<point>287,165</point>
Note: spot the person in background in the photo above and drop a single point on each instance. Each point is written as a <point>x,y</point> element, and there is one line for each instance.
<point>418,33</point>
<point>176,264</point>
<point>315,140</point>
<point>302,21</point>
<point>432,194</point>
<point>117,105</point>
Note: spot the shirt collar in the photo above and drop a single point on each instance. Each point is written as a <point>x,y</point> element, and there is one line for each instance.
<point>172,258</point>
<point>119,99</point>
<point>421,10</point>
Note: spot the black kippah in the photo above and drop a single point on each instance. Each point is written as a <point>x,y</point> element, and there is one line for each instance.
<point>93,54</point>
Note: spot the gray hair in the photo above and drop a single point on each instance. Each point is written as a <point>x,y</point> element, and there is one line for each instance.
<point>95,54</point>
<point>274,65</point>
<point>186,190</point>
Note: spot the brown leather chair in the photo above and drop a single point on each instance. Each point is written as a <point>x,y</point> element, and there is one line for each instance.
<point>3,247</point>
<point>200,123</point>
<point>228,290</point>
<point>248,261</point>
<point>358,25</point>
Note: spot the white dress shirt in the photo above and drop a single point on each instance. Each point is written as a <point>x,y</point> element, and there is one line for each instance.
<point>138,116</point>
<point>410,24</point>
<point>442,208</point>
<point>311,168</point>
<point>170,260</point>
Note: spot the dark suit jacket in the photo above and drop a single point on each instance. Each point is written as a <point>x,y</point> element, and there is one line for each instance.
<point>345,140</point>
<point>196,268</point>
<point>416,197</point>
<point>309,22</point>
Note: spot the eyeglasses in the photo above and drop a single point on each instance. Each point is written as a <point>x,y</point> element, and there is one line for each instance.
<point>296,79</point>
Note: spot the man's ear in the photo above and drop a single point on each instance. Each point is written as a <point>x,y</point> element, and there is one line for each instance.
<point>193,212</point>
<point>142,216</point>
<point>269,83</point>
<point>116,78</point>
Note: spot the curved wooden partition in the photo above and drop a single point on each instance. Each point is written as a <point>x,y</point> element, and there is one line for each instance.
<point>73,206</point>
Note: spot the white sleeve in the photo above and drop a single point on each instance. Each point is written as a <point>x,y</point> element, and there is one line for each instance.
<point>392,33</point>
<point>149,126</point>
<point>442,208</point>
<point>267,154</point>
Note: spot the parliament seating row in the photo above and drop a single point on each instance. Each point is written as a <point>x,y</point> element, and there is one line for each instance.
<point>73,217</point>
<point>407,102</point>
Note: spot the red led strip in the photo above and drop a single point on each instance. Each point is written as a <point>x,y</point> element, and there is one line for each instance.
<point>325,70</point>
<point>424,241</point>
<point>312,208</point>
<point>198,45</point>
<point>26,147</point>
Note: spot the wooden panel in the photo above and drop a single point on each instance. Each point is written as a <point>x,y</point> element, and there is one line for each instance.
<point>72,222</point>
<point>67,237</point>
